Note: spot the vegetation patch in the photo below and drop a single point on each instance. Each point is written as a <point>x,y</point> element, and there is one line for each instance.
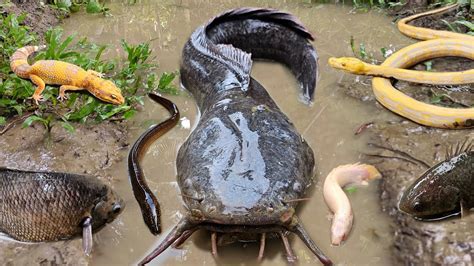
<point>135,75</point>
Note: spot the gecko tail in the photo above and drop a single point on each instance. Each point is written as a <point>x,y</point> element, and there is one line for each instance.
<point>19,60</point>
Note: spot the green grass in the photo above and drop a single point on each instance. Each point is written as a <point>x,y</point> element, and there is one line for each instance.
<point>135,75</point>
<point>91,6</point>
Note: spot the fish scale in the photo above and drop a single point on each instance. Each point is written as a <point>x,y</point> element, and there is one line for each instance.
<point>48,206</point>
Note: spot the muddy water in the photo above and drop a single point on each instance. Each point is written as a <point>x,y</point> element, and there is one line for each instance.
<point>328,126</point>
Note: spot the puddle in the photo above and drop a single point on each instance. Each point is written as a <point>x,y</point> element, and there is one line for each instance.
<point>328,126</point>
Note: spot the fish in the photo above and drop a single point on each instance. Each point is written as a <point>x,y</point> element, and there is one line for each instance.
<point>445,189</point>
<point>52,206</point>
<point>338,202</point>
<point>244,168</point>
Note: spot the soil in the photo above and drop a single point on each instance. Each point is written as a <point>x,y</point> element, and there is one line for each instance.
<point>448,242</point>
<point>92,149</point>
<point>39,17</point>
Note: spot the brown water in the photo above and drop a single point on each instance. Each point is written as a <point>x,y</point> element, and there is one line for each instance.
<point>328,126</point>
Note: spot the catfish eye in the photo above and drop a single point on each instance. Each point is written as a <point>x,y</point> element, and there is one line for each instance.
<point>418,206</point>
<point>116,209</point>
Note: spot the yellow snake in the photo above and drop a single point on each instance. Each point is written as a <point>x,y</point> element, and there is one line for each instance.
<point>438,44</point>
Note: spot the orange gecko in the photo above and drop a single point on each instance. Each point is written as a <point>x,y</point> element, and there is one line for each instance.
<point>69,76</point>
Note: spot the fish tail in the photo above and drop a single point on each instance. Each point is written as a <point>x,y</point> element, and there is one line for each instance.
<point>19,60</point>
<point>232,38</point>
<point>297,54</point>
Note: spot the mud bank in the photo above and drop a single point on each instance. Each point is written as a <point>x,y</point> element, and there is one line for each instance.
<point>417,243</point>
<point>39,16</point>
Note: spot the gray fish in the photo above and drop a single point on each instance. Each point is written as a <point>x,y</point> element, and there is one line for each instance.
<point>245,167</point>
<point>444,190</point>
<point>49,206</point>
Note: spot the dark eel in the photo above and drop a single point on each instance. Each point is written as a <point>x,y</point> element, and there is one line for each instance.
<point>50,206</point>
<point>444,190</point>
<point>146,199</point>
<point>245,167</point>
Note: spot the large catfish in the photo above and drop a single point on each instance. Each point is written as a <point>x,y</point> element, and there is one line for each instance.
<point>244,168</point>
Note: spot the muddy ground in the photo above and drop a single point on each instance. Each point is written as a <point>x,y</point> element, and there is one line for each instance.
<point>39,17</point>
<point>92,150</point>
<point>448,242</point>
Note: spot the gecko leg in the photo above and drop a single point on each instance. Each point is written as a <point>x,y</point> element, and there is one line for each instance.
<point>95,73</point>
<point>41,85</point>
<point>65,88</point>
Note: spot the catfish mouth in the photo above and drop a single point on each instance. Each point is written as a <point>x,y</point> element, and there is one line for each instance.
<point>186,227</point>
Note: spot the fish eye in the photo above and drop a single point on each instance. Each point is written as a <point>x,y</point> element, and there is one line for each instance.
<point>418,206</point>
<point>116,209</point>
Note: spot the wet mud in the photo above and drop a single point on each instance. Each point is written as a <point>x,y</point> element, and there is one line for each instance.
<point>448,242</point>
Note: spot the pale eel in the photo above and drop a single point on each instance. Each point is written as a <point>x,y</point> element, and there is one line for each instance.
<point>336,199</point>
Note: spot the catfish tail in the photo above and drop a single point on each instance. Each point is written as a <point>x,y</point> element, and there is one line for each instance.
<point>267,34</point>
<point>19,60</point>
<point>264,14</point>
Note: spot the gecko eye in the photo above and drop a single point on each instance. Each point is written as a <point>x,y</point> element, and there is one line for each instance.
<point>113,96</point>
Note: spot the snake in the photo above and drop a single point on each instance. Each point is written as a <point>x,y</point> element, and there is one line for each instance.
<point>436,43</point>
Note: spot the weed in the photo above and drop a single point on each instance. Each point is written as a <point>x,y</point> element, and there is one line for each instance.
<point>91,6</point>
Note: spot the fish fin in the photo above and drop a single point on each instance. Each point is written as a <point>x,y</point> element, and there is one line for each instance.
<point>460,147</point>
<point>237,55</point>
<point>87,241</point>
<point>236,59</point>
<point>264,14</point>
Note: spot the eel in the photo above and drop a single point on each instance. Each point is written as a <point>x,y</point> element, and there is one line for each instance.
<point>149,205</point>
<point>52,206</point>
<point>245,167</point>
<point>336,199</point>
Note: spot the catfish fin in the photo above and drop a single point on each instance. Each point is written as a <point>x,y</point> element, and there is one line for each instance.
<point>87,235</point>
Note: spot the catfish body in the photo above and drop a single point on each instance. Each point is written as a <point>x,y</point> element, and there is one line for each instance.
<point>50,206</point>
<point>244,167</point>
<point>444,190</point>
<point>245,159</point>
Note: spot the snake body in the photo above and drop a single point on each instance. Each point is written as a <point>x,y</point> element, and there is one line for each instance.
<point>437,43</point>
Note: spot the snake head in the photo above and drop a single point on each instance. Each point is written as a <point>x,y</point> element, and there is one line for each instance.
<point>350,64</point>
